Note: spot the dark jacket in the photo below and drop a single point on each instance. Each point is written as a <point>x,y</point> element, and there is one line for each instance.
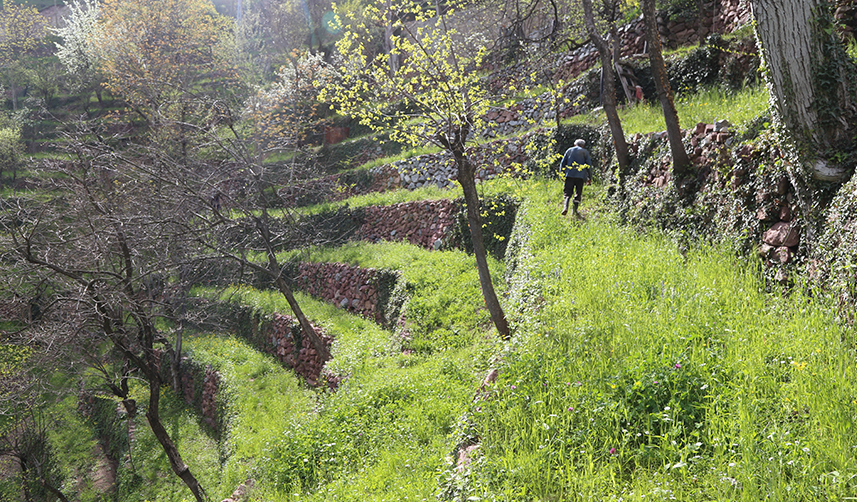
<point>577,163</point>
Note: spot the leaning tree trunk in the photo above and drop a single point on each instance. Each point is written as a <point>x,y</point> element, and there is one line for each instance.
<point>608,98</point>
<point>681,162</point>
<point>809,77</point>
<point>466,173</point>
<point>276,272</point>
<point>153,416</point>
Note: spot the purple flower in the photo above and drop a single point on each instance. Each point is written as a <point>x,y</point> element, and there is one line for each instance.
<point>513,387</point>
<point>612,451</point>
<point>571,408</point>
<point>677,365</point>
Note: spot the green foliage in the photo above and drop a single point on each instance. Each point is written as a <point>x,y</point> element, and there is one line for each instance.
<point>498,218</point>
<point>428,192</point>
<point>706,106</point>
<point>109,427</point>
<point>353,153</point>
<point>74,439</point>
<point>384,431</point>
<point>442,287</point>
<point>151,477</point>
<point>640,371</point>
<point>11,149</point>
<point>567,134</point>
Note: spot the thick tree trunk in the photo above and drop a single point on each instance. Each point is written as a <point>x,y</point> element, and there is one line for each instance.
<point>466,172</point>
<point>681,162</point>
<point>809,77</point>
<point>608,98</point>
<point>153,416</point>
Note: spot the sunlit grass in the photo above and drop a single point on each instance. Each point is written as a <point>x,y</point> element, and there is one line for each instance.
<point>715,104</point>
<point>640,373</point>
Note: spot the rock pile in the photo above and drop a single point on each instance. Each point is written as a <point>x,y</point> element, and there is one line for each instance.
<point>775,207</point>
<point>355,289</point>
<point>423,223</point>
<point>708,147</point>
<point>289,346</point>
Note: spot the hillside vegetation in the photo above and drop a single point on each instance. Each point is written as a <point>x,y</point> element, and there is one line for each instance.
<point>243,266</point>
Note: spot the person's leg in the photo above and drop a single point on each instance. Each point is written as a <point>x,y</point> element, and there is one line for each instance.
<point>568,192</point>
<point>578,194</point>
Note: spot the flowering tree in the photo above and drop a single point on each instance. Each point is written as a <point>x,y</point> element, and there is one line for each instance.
<point>22,29</point>
<point>159,55</point>
<point>77,50</point>
<point>434,97</point>
<point>283,113</point>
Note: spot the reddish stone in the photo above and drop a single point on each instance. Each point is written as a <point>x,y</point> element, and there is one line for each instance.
<point>785,213</point>
<point>782,234</point>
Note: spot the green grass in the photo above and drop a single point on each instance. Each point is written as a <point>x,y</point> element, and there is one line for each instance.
<point>384,432</point>
<point>640,373</point>
<point>445,309</point>
<point>715,104</point>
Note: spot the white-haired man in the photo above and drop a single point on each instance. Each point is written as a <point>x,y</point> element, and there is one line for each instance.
<point>578,170</point>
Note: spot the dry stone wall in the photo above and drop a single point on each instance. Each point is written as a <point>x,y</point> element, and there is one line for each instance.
<point>282,337</point>
<point>723,16</point>
<point>362,291</point>
<point>200,389</point>
<point>492,159</point>
<point>422,223</point>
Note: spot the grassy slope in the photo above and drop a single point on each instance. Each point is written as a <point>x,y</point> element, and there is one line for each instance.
<point>643,373</point>
<point>605,318</point>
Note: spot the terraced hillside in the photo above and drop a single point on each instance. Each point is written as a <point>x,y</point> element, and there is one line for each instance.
<point>679,341</point>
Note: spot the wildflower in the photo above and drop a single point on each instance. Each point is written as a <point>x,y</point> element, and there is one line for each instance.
<point>571,408</point>
<point>612,451</point>
<point>514,387</point>
<point>677,365</point>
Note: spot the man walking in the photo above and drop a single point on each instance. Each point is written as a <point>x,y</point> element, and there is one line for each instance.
<point>578,169</point>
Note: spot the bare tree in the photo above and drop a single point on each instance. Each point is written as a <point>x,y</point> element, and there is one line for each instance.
<point>104,245</point>
<point>681,162</point>
<point>608,97</point>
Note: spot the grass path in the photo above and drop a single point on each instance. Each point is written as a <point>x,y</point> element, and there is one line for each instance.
<point>640,373</point>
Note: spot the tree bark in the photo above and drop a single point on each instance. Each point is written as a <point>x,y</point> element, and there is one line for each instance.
<point>681,162</point>
<point>276,273</point>
<point>153,416</point>
<point>466,172</point>
<point>608,97</point>
<point>808,74</point>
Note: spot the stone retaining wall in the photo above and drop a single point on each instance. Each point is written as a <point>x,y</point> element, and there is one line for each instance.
<point>491,160</point>
<point>204,398</point>
<point>422,223</point>
<point>363,291</point>
<point>723,16</point>
<point>282,337</point>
